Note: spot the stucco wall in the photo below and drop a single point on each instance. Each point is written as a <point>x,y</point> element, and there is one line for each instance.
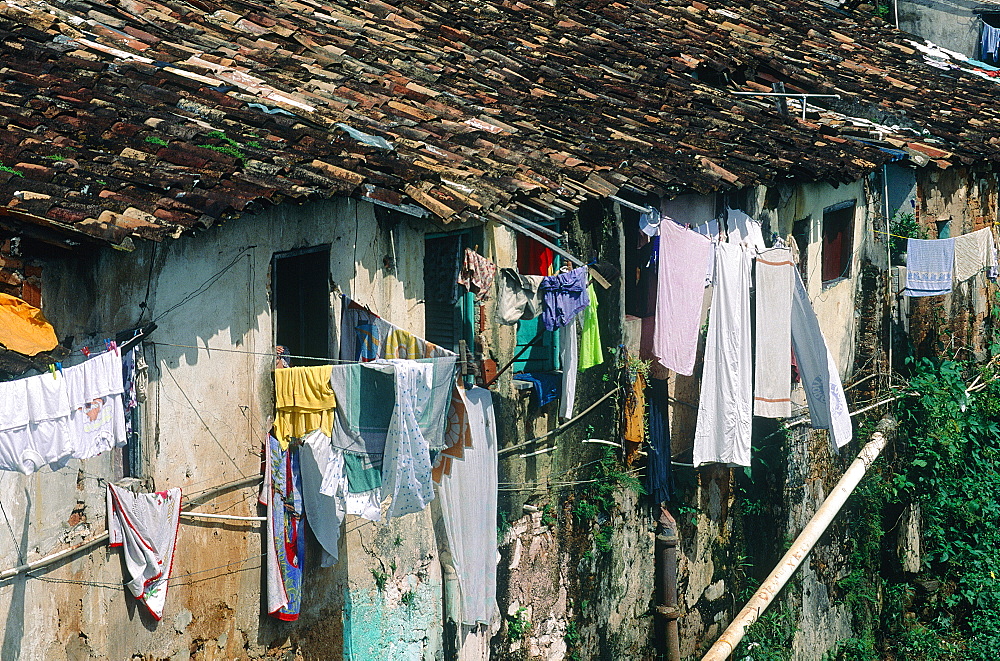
<point>947,23</point>
<point>205,420</point>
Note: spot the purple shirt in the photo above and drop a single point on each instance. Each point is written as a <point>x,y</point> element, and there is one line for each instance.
<point>563,296</point>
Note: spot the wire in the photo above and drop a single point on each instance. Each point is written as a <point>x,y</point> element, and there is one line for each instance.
<point>205,286</point>
<point>205,424</point>
<point>284,355</point>
<point>13,537</point>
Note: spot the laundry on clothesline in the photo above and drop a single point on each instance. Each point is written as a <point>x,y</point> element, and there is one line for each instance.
<point>75,412</point>
<point>725,407</point>
<point>477,274</point>
<point>772,368</point>
<point>468,499</point>
<point>145,526</point>
<point>975,253</point>
<point>304,402</point>
<point>930,264</point>
<point>281,493</point>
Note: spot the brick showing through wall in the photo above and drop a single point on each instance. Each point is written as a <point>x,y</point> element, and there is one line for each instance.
<point>19,277</point>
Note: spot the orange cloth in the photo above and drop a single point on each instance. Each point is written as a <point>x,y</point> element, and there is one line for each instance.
<point>23,328</point>
<point>635,419</point>
<point>303,402</point>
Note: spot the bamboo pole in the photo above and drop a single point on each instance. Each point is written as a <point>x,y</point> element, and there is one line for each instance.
<point>769,589</point>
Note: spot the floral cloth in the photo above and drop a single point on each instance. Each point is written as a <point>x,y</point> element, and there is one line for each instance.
<point>286,540</point>
<point>477,274</point>
<point>145,526</point>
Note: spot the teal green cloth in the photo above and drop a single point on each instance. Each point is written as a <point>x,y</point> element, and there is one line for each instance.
<point>362,475</point>
<point>591,352</point>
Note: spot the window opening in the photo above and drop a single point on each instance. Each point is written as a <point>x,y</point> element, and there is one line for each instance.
<point>800,234</point>
<point>300,299</point>
<point>838,241</point>
<point>989,38</point>
<point>543,355</point>
<point>449,308</point>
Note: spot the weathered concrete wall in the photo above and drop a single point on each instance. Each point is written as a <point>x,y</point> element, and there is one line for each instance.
<point>207,415</point>
<point>967,201</point>
<point>947,23</point>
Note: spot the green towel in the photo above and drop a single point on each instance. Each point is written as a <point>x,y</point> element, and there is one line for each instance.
<point>361,475</point>
<point>591,352</point>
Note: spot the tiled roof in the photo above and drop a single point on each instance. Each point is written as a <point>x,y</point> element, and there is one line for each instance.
<point>152,117</point>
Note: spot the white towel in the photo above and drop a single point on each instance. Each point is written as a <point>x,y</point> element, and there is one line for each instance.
<point>51,440</point>
<point>974,253</point>
<point>725,405</point>
<point>97,418</point>
<point>145,526</point>
<point>569,359</point>
<point>772,364</point>
<point>820,378</point>
<point>468,499</point>
<point>745,230</point>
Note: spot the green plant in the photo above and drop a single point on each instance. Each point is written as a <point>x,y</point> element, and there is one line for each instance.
<point>770,637</point>
<point>518,625</point>
<point>595,506</point>
<point>229,147</point>
<point>904,226</point>
<point>381,578</point>
<point>503,526</point>
<point>156,140</point>
<point>408,599</point>
<point>572,638</point>
<point>948,465</point>
<point>392,566</point>
<point>16,173</point>
<point>398,541</point>
<point>549,515</point>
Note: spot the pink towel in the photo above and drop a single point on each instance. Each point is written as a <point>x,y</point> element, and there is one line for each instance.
<point>679,294</point>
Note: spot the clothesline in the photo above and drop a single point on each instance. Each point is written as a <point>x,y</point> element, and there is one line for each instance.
<point>273,354</point>
<point>103,537</point>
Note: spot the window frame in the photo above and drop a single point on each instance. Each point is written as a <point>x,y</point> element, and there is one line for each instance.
<point>845,214</point>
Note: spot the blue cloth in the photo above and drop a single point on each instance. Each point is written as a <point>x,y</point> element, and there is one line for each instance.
<point>929,266</point>
<point>659,471</point>
<point>546,386</point>
<point>989,44</point>
<point>563,297</point>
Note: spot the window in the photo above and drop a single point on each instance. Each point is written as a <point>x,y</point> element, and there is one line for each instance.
<point>300,299</point>
<point>640,280</point>
<point>989,36</point>
<point>838,241</point>
<point>543,355</point>
<point>449,308</point>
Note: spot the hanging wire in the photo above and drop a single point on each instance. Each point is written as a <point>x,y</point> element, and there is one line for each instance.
<point>13,537</point>
<point>272,354</point>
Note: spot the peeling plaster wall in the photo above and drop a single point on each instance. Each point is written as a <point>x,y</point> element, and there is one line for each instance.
<point>205,420</point>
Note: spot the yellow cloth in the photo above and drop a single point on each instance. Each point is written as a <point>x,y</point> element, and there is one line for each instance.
<point>303,402</point>
<point>23,328</point>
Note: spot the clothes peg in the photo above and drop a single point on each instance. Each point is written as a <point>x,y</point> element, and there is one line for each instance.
<point>86,352</point>
<point>52,370</point>
<point>59,367</point>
